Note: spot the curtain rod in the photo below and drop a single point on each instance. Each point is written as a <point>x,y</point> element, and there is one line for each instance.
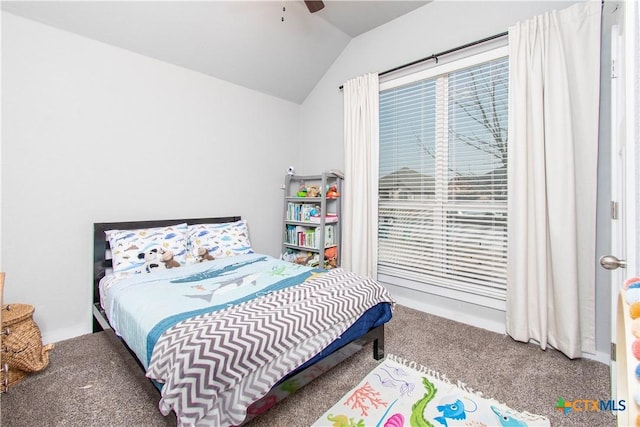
<point>445,52</point>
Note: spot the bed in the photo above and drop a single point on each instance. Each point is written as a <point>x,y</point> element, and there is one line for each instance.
<point>223,332</point>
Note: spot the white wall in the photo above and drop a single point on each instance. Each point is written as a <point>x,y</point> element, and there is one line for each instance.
<point>95,133</point>
<point>433,28</point>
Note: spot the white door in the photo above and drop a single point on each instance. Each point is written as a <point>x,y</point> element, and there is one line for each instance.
<point>624,192</point>
<point>616,261</point>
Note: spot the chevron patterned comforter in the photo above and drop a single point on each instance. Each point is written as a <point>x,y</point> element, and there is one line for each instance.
<point>221,334</point>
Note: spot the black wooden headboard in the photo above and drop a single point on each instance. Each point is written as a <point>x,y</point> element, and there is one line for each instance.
<point>100,245</point>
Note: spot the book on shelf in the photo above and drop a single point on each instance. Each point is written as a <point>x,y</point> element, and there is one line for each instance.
<point>301,211</point>
<point>307,237</point>
<point>308,212</point>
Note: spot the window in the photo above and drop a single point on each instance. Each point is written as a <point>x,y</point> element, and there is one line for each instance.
<point>443,179</point>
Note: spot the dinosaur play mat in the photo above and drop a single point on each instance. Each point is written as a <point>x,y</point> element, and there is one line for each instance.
<point>400,393</point>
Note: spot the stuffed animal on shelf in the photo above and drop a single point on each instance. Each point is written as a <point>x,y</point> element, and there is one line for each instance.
<point>331,252</point>
<point>332,192</point>
<point>303,258</point>
<point>289,256</point>
<point>331,257</point>
<point>313,191</point>
<point>302,191</point>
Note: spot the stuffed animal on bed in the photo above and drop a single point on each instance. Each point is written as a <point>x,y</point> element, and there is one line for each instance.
<point>167,259</point>
<point>152,259</point>
<point>204,255</point>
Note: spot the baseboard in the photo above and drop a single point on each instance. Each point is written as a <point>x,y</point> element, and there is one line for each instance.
<point>598,357</point>
<point>469,314</point>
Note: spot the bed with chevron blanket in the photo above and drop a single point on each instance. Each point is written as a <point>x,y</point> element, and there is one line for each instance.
<point>219,337</point>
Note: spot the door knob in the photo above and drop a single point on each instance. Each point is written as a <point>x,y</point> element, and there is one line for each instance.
<point>610,262</point>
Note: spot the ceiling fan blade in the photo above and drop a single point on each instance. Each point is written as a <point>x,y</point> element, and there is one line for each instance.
<point>314,5</point>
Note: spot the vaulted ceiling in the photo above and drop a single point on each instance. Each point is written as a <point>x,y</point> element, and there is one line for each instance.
<point>255,44</point>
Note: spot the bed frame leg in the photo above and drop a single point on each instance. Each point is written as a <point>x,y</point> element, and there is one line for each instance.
<point>100,322</point>
<point>96,326</point>
<point>378,344</point>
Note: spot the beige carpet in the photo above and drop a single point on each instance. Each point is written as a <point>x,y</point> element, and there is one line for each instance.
<point>90,382</point>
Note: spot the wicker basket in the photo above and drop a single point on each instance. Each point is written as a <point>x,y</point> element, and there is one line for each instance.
<point>22,342</point>
<point>11,377</point>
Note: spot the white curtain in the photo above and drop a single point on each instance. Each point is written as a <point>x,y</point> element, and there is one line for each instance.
<point>360,200</point>
<point>553,145</point>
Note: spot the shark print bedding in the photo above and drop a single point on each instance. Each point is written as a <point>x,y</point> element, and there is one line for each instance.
<point>143,306</point>
<point>218,335</point>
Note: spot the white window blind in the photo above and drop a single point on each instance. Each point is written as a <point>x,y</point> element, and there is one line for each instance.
<point>443,177</point>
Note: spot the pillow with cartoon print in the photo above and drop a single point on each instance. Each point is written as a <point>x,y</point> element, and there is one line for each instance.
<point>210,241</point>
<point>147,249</point>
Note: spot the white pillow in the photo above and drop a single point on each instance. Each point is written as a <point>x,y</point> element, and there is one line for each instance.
<point>208,241</point>
<point>147,249</point>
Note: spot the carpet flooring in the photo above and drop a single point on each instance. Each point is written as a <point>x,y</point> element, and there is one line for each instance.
<point>91,381</point>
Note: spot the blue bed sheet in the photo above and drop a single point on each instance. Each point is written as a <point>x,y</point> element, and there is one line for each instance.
<point>374,317</point>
